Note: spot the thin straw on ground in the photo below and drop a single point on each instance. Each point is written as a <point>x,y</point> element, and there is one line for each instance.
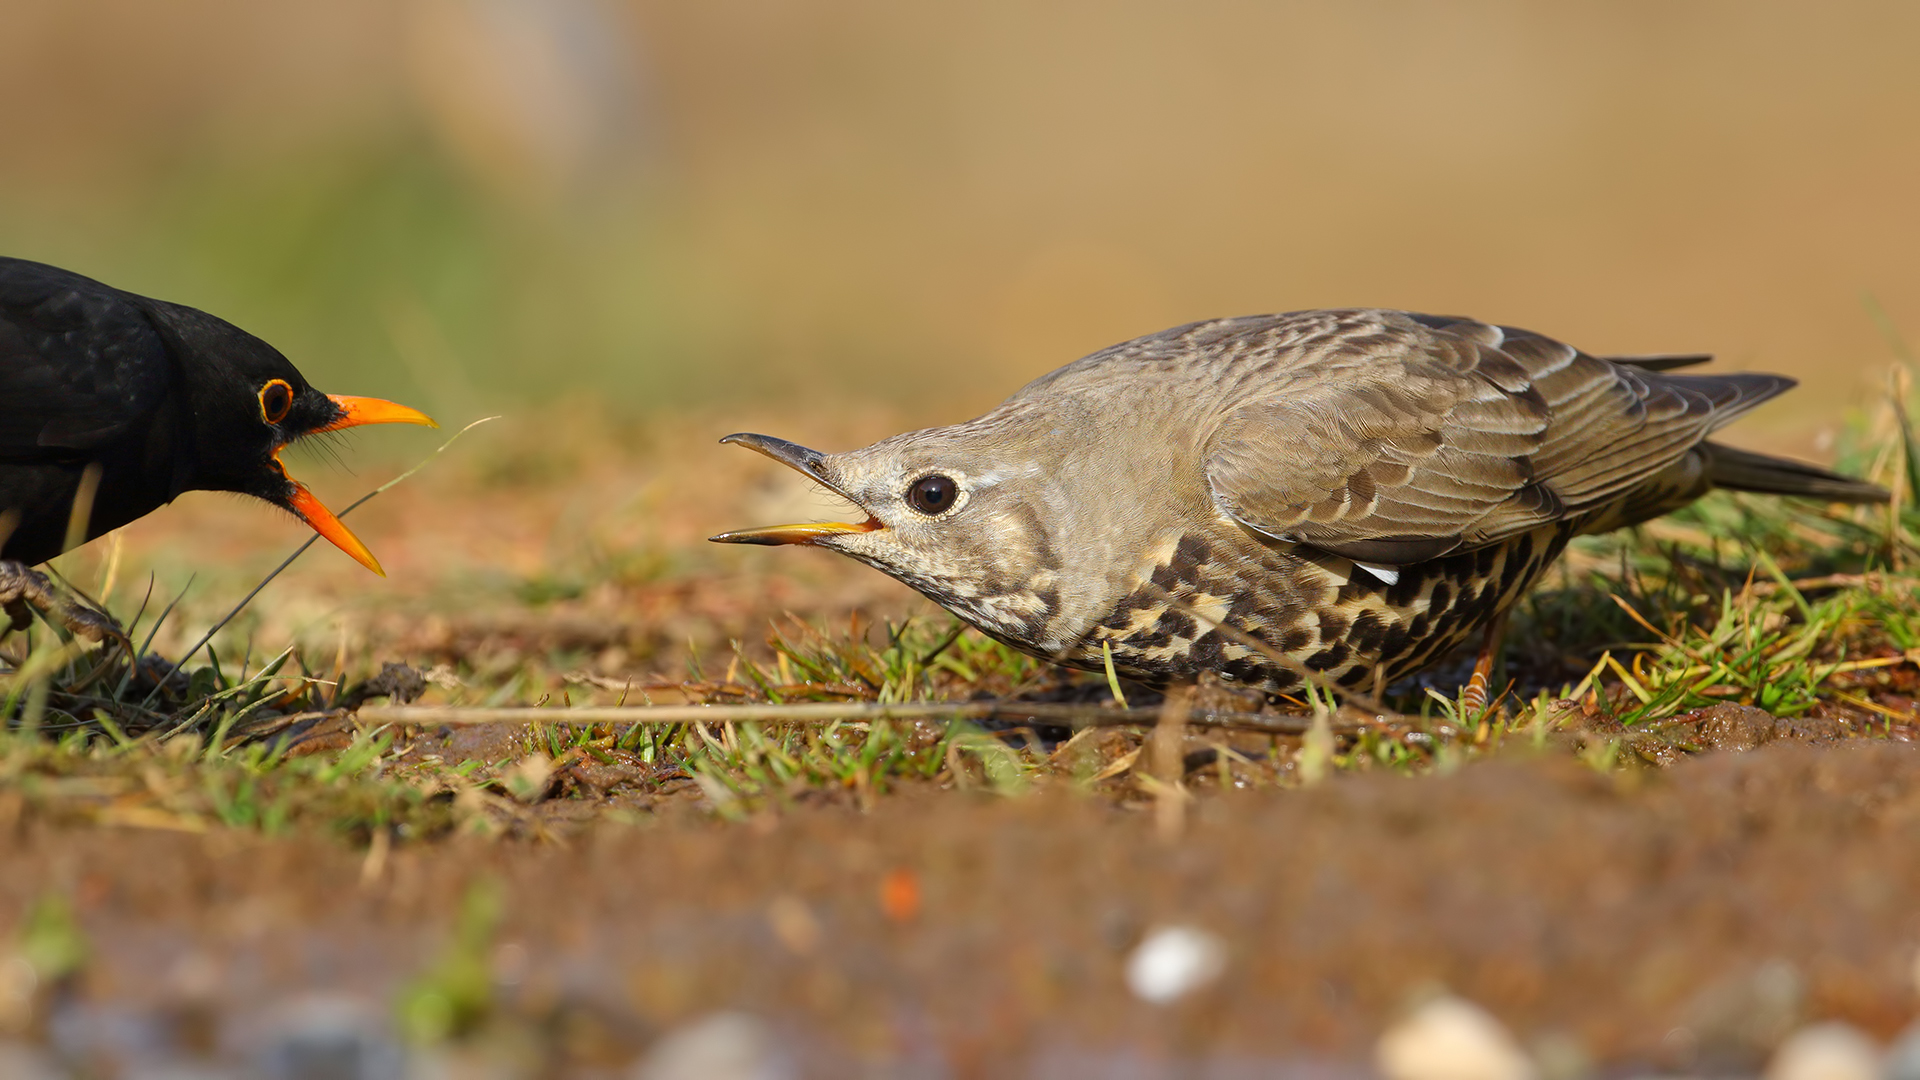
<point>830,712</point>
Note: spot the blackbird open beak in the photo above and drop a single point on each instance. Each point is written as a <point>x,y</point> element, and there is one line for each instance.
<point>800,459</point>
<point>316,515</point>
<point>355,412</point>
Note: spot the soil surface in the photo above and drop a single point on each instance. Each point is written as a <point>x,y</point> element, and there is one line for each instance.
<point>1682,918</point>
<point>1737,878</point>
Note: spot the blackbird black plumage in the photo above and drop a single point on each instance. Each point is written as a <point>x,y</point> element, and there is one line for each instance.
<point>141,400</point>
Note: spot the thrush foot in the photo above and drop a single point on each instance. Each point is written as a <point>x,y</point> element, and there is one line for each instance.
<point>1473,696</point>
<point>23,589</point>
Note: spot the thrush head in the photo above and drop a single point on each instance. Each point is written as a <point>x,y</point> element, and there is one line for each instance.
<point>954,512</point>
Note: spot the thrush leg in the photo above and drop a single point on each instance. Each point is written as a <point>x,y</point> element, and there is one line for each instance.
<point>1474,698</point>
<point>23,589</point>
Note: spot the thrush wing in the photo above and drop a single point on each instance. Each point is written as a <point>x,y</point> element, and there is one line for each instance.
<point>1406,437</point>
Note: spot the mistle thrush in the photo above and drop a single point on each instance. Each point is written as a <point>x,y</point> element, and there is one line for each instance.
<point>1350,493</point>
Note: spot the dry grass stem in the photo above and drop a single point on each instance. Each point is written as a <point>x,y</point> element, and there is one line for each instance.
<point>833,712</point>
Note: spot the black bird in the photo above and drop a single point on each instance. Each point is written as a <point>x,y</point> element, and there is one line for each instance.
<point>112,404</point>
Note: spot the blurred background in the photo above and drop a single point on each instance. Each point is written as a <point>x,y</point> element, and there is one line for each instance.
<point>489,204</point>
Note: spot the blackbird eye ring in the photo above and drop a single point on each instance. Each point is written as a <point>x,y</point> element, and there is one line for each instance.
<point>933,494</point>
<point>275,399</point>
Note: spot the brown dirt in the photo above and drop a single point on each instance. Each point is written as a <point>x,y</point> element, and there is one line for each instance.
<point>1686,916</point>
<point>1676,917</point>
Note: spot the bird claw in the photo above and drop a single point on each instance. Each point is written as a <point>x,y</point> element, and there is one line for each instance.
<point>22,590</point>
<point>1474,696</point>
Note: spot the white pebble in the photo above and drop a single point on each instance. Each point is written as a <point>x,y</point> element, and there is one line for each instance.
<point>1451,1039</point>
<point>723,1046</point>
<point>1831,1051</point>
<point>1174,961</point>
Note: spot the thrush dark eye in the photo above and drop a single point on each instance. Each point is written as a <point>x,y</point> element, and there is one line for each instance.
<point>932,494</point>
<point>275,399</point>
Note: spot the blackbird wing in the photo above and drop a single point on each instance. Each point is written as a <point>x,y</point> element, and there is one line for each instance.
<point>80,365</point>
<point>1392,438</point>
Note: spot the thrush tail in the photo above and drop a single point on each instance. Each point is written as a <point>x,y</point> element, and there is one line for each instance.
<point>1661,361</point>
<point>1744,470</point>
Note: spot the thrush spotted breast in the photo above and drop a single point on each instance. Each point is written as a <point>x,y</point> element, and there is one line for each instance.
<point>1348,493</point>
<point>112,404</point>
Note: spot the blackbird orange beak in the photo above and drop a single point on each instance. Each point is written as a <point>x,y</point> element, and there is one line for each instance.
<point>355,412</point>
<point>804,460</point>
<point>315,514</point>
<point>368,410</point>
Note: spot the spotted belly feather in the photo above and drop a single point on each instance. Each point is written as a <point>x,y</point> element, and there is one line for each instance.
<point>1270,616</point>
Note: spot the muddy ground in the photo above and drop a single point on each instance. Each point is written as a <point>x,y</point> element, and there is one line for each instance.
<point>1681,919</point>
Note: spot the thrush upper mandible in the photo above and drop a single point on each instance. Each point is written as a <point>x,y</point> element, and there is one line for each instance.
<point>150,399</point>
<point>1351,493</point>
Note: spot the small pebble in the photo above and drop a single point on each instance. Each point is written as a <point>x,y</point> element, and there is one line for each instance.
<point>1451,1039</point>
<point>1174,961</point>
<point>337,1037</point>
<point>1830,1051</point>
<point>723,1046</point>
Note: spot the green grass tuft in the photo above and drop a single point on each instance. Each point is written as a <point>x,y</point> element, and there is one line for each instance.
<point>1800,610</point>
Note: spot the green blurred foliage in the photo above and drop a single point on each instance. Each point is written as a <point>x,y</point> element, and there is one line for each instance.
<point>380,269</point>
<point>656,205</point>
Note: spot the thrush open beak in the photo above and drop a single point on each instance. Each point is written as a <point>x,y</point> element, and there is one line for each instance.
<point>357,411</point>
<point>354,412</point>
<point>793,534</point>
<point>803,460</point>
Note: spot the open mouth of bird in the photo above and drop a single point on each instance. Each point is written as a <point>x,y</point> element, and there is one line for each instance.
<point>808,463</point>
<point>354,412</point>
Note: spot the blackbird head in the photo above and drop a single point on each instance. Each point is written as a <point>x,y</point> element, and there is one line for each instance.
<point>958,513</point>
<point>246,402</point>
